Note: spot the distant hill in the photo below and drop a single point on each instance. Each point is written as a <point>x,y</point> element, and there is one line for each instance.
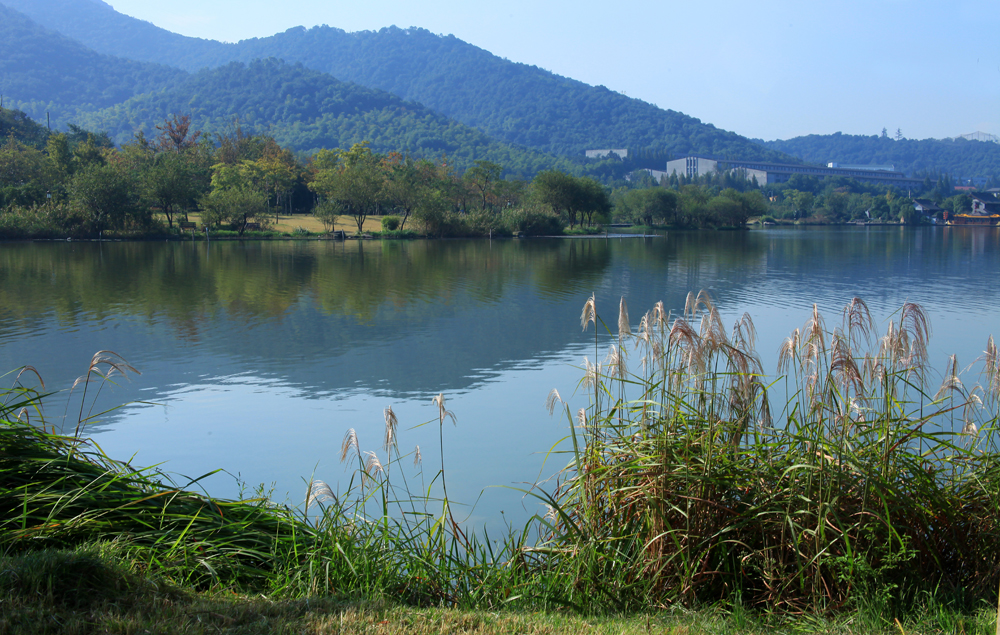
<point>96,25</point>
<point>957,157</point>
<point>516,103</point>
<point>44,71</point>
<point>306,110</point>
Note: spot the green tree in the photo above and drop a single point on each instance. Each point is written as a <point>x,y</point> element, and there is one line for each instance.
<point>109,197</point>
<point>26,174</point>
<point>60,155</point>
<point>482,177</point>
<point>171,182</point>
<point>237,207</point>
<point>355,179</point>
<point>592,200</point>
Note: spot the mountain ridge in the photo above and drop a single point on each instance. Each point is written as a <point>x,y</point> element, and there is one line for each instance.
<point>511,102</point>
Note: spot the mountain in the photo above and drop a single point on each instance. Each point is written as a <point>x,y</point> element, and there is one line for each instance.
<point>44,71</point>
<point>306,110</point>
<point>96,25</point>
<point>957,157</point>
<point>512,102</point>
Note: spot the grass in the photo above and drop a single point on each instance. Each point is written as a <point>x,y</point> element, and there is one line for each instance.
<point>688,486</point>
<point>861,502</point>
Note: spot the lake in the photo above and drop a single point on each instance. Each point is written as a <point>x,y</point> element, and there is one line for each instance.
<point>257,357</point>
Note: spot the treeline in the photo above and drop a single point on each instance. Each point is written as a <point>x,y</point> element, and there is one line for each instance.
<point>728,199</point>
<point>78,184</point>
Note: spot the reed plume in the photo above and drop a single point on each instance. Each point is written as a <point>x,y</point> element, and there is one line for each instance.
<point>350,442</point>
<point>390,429</point>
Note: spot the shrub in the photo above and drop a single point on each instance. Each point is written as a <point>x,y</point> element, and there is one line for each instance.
<point>532,221</point>
<point>391,223</point>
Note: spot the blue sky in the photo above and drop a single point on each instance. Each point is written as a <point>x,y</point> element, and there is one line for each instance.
<point>767,69</point>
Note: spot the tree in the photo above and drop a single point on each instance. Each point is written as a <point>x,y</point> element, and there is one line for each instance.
<point>237,207</point>
<point>482,177</point>
<point>171,181</point>
<point>592,200</point>
<point>60,155</point>
<point>277,171</point>
<point>355,179</point>
<point>90,152</point>
<point>407,184</point>
<point>26,174</point>
<point>109,197</point>
<point>557,190</point>
<point>175,135</point>
<point>327,212</point>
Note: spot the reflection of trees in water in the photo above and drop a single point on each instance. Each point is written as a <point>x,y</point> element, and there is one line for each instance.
<point>190,283</point>
<point>441,308</point>
<point>389,283</point>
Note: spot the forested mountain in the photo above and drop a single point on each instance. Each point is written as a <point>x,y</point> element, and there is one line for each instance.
<point>957,157</point>
<point>306,110</point>
<point>98,26</point>
<point>44,71</point>
<point>513,102</point>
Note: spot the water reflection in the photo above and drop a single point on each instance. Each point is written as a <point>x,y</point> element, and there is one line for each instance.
<point>265,352</point>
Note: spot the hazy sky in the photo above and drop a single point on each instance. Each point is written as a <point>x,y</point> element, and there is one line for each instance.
<point>765,68</point>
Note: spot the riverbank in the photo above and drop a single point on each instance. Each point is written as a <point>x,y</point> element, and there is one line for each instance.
<point>696,492</point>
<point>101,593</point>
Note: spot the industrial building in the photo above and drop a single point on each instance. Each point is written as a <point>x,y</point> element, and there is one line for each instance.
<point>772,173</point>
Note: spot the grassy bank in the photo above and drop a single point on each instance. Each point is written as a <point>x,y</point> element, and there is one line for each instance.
<point>94,590</point>
<point>844,497</point>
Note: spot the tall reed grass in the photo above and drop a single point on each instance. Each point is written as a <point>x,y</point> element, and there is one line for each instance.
<point>692,480</point>
<point>688,484</point>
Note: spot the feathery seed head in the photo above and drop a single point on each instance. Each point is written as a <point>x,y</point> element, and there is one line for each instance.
<point>350,441</point>
<point>442,413</point>
<point>624,328</point>
<point>660,313</point>
<point>788,351</point>
<point>991,368</point>
<point>552,401</point>
<point>372,465</point>
<point>745,334</point>
<point>390,428</point>
<point>589,313</point>
<point>319,492</point>
<point>616,361</point>
<point>417,457</point>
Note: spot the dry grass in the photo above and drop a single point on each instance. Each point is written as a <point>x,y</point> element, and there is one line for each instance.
<point>287,224</point>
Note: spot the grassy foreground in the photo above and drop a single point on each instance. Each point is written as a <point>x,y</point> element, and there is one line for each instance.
<point>94,589</point>
<point>697,497</point>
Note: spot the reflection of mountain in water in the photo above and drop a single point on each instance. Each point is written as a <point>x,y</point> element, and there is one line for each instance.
<point>421,316</point>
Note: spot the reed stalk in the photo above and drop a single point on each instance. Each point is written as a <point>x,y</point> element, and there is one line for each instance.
<point>685,486</point>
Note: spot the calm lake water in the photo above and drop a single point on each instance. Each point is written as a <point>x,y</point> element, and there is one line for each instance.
<point>257,357</point>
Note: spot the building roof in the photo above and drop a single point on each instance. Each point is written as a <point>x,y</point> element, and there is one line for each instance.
<point>926,205</point>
